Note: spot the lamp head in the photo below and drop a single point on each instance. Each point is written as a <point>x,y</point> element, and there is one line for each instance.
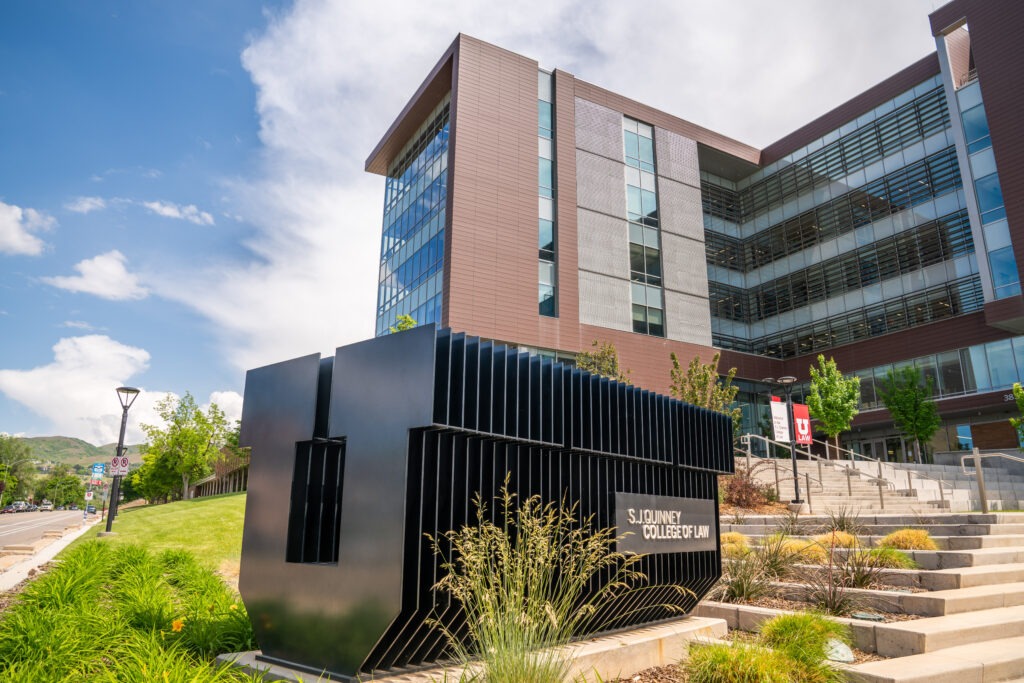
<point>127,396</point>
<point>788,379</point>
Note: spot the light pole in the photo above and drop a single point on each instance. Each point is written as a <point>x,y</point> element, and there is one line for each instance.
<point>127,396</point>
<point>787,383</point>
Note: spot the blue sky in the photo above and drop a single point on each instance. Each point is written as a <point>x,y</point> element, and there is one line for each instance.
<point>181,187</point>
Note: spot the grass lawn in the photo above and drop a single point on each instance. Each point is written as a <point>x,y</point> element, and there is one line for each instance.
<point>210,528</point>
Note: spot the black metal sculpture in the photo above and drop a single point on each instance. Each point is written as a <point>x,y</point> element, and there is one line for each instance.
<point>355,458</point>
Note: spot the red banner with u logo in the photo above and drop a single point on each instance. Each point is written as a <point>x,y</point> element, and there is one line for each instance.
<point>802,424</point>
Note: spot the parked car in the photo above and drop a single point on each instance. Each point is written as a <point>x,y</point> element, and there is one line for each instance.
<point>47,506</point>
<point>8,509</point>
<point>73,507</point>
<point>20,506</point>
<point>32,507</point>
<point>60,507</point>
<point>91,509</point>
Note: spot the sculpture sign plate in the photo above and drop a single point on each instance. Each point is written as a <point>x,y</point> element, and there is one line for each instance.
<point>665,524</point>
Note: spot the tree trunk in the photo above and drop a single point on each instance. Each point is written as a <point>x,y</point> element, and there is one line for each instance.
<point>184,486</point>
<point>917,451</point>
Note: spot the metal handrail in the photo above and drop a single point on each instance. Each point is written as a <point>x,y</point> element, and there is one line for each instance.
<point>906,467</point>
<point>940,483</point>
<point>785,463</point>
<point>980,473</point>
<point>969,473</point>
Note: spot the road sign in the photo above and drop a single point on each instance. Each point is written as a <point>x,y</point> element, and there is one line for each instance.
<point>88,495</point>
<point>119,466</point>
<point>97,470</point>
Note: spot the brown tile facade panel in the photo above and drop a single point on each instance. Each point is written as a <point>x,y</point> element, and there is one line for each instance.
<point>648,359</point>
<point>866,101</point>
<point>660,119</point>
<point>966,407</point>
<point>426,97</point>
<point>493,220</point>
<point>996,29</point>
<point>943,335</point>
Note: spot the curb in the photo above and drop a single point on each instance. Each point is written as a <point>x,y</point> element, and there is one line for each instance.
<point>20,571</point>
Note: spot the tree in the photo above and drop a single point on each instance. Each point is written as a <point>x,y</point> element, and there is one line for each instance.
<point>908,398</point>
<point>16,468</point>
<point>701,385</point>
<point>604,361</point>
<point>1018,422</point>
<point>833,400</point>
<point>60,487</point>
<point>188,443</point>
<point>405,322</point>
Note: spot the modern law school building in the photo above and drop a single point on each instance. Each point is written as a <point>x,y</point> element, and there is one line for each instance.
<point>531,207</point>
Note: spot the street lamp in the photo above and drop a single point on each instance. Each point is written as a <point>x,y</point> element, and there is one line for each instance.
<point>787,383</point>
<point>127,396</point>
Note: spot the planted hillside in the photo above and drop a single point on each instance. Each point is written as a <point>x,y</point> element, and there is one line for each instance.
<point>122,613</point>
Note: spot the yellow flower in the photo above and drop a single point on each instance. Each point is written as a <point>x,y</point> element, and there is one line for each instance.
<point>177,625</point>
<point>233,607</point>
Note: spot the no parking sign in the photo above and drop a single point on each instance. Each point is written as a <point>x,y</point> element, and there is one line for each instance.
<point>119,466</point>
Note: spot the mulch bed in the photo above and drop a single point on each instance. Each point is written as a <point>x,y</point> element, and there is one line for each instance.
<point>799,606</point>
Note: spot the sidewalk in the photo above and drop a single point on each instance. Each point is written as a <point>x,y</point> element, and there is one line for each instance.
<point>13,574</point>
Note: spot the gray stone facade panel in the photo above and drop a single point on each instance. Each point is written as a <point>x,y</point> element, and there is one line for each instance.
<point>603,244</point>
<point>605,302</point>
<point>687,318</point>
<point>601,184</point>
<point>684,265</point>
<point>680,209</point>
<point>676,157</point>
<point>599,130</point>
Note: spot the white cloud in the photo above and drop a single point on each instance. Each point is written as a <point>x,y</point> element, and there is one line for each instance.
<point>188,212</point>
<point>228,401</point>
<point>75,392</point>
<point>86,204</point>
<point>326,92</point>
<point>78,325</point>
<point>16,228</point>
<point>104,276</point>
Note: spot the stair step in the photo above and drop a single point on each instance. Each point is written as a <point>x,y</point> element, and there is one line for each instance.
<point>986,662</point>
<point>954,559</point>
<point>900,639</point>
<point>968,577</point>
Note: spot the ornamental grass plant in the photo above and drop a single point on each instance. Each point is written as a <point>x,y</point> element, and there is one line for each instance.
<point>121,613</point>
<point>908,539</point>
<point>528,582</point>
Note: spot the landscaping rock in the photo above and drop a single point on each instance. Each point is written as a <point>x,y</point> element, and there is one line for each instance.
<point>838,651</point>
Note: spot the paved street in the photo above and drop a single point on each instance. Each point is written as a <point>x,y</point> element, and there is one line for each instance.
<point>28,527</point>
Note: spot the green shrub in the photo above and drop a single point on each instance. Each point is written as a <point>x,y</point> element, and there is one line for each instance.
<point>888,558</point>
<point>745,663</point>
<point>908,539</point>
<point>804,636</point>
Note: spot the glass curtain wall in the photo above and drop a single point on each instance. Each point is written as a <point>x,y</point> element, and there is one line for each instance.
<point>412,246</point>
<point>644,229</point>
<point>547,289</point>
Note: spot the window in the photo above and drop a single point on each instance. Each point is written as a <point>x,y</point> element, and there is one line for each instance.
<point>648,311</point>
<point>976,129</point>
<point>546,226</point>
<point>990,198</point>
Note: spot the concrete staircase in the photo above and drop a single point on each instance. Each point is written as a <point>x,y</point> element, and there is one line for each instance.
<point>970,599</point>
<point>833,487</point>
